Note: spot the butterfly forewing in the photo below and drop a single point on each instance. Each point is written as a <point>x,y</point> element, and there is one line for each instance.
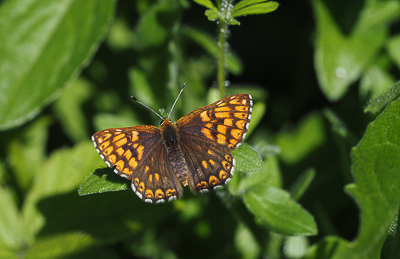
<point>225,122</point>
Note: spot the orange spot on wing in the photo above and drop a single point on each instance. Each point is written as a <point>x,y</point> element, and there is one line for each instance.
<point>204,117</point>
<point>204,163</point>
<point>235,101</point>
<point>242,108</point>
<point>202,185</point>
<point>151,178</point>
<point>222,129</point>
<point>133,163</point>
<point>222,115</point>
<point>171,192</point>
<point>140,151</point>
<point>120,151</point>
<point>120,142</point>
<point>112,159</point>
<point>159,194</point>
<point>128,154</point>
<point>240,124</point>
<point>226,165</point>
<point>126,171</point>
<point>240,115</point>
<point>141,187</point>
<point>223,175</point>
<point>221,139</point>
<point>213,180</point>
<point>211,161</point>
<point>207,133</point>
<point>104,145</point>
<point>120,165</point>
<point>135,135</point>
<point>237,134</point>
<point>118,137</point>
<point>228,122</point>
<point>108,151</point>
<point>222,109</point>
<point>149,194</point>
<point>208,125</point>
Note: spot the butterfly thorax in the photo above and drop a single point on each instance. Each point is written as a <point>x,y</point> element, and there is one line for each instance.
<point>175,155</point>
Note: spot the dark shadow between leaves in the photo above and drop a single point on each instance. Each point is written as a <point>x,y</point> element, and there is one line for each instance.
<point>109,217</point>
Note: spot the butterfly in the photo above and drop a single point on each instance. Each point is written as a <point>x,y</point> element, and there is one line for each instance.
<point>196,151</point>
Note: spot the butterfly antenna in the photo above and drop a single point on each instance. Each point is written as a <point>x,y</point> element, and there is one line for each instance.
<point>134,98</point>
<point>180,92</point>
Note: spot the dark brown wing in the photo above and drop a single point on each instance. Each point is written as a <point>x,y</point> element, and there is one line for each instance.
<point>138,154</point>
<point>209,134</point>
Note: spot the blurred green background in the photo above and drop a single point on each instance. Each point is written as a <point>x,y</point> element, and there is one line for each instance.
<point>326,124</point>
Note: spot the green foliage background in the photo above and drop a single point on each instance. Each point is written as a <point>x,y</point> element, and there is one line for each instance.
<point>326,125</point>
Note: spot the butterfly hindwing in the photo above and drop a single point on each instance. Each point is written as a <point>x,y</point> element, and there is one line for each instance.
<point>210,166</point>
<point>154,180</point>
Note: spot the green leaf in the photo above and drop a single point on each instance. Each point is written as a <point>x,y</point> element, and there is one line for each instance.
<point>141,88</point>
<point>375,81</point>
<point>275,209</point>
<point>69,109</point>
<point>59,246</point>
<point>259,109</point>
<point>376,168</point>
<point>154,31</point>
<point>379,103</point>
<point>29,148</point>
<point>309,135</point>
<point>302,183</point>
<point>63,172</point>
<point>259,8</point>
<point>393,47</point>
<point>376,189</point>
<point>210,45</point>
<point>108,120</point>
<point>11,223</point>
<point>341,59</point>
<point>212,15</point>
<point>270,174</point>
<point>207,3</point>
<point>103,180</point>
<point>391,248</point>
<point>339,127</point>
<point>247,160</point>
<point>42,48</point>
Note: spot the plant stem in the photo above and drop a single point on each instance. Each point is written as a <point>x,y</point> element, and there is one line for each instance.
<point>223,30</point>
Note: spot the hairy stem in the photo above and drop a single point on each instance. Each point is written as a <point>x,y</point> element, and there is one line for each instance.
<point>223,30</point>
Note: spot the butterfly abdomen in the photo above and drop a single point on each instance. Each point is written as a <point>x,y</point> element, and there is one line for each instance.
<point>174,152</point>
